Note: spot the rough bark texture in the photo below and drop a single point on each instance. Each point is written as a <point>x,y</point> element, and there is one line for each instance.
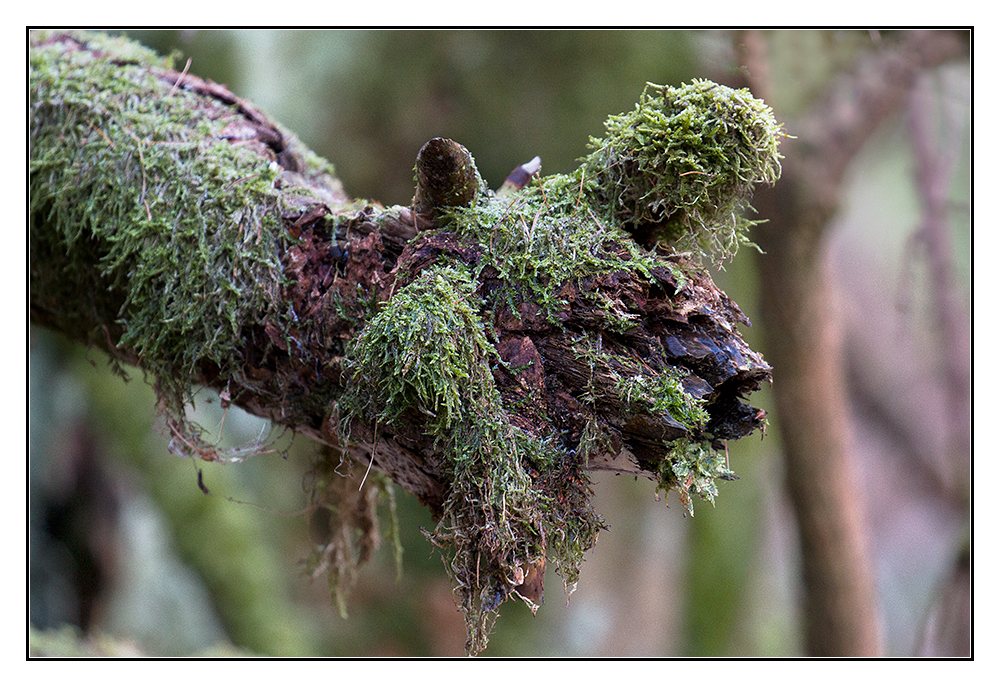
<point>176,227</point>
<point>803,334</point>
<point>367,249</point>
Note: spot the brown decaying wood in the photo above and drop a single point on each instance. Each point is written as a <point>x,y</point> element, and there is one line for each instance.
<point>294,370</point>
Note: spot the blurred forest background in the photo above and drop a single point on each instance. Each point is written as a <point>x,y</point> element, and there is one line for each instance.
<point>125,546</point>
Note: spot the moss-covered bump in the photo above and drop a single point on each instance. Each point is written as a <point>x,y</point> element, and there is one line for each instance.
<point>183,221</point>
<point>681,166</point>
<point>424,359</point>
<point>424,351</point>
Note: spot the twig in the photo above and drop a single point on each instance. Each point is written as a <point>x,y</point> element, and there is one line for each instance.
<point>180,78</point>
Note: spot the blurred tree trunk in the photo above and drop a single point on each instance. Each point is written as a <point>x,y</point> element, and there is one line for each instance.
<point>802,332</point>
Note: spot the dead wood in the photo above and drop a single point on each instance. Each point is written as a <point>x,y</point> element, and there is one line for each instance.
<point>177,228</point>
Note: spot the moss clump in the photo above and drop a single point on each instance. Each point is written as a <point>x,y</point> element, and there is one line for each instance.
<point>424,351</point>
<point>183,222</point>
<point>424,359</point>
<point>682,165</point>
<point>665,394</point>
<point>692,467</point>
<point>548,235</point>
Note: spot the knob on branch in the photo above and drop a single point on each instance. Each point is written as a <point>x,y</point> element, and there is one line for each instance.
<point>446,177</point>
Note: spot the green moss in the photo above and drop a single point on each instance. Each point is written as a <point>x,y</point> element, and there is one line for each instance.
<point>683,165</point>
<point>545,236</point>
<point>692,467</point>
<point>664,394</point>
<point>425,351</point>
<point>425,359</point>
<point>183,221</point>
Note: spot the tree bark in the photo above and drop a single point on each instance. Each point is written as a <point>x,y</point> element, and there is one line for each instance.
<point>330,248</point>
<point>803,337</point>
<point>175,226</point>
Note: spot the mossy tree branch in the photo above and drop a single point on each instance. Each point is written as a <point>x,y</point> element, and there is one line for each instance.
<point>482,350</point>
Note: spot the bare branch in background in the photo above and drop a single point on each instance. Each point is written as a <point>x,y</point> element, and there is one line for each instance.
<point>936,136</point>
<point>803,334</point>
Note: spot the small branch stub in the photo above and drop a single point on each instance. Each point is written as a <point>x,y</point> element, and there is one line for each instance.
<point>446,177</point>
